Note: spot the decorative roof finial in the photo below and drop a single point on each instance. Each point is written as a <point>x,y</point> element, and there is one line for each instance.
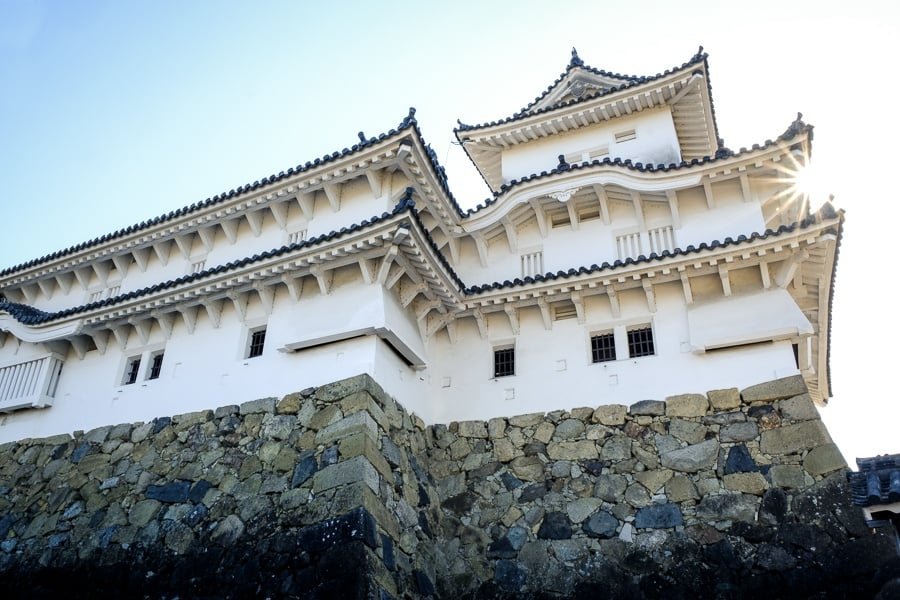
<point>362,137</point>
<point>575,61</point>
<point>563,165</point>
<point>410,117</point>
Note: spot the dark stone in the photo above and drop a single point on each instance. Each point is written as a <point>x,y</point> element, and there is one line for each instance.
<point>601,524</point>
<point>356,525</point>
<point>722,554</point>
<point>803,536</point>
<point>160,424</point>
<point>390,451</point>
<point>535,448</point>
<point>423,583</point>
<point>773,507</point>
<point>659,516</point>
<point>81,450</point>
<point>760,411</point>
<point>106,535</point>
<point>533,492</point>
<point>555,526</point>
<point>424,500</point>
<point>594,467</point>
<point>739,460</point>
<point>509,575</point>
<point>387,553</point>
<point>752,532</point>
<point>198,491</point>
<point>6,523</point>
<point>517,537</point>
<point>197,514</point>
<point>485,470</point>
<point>59,452</point>
<point>652,408</point>
<point>172,492</point>
<point>502,548</point>
<point>461,503</point>
<point>510,481</point>
<point>306,468</point>
<point>423,524</point>
<point>774,558</point>
<point>329,457</point>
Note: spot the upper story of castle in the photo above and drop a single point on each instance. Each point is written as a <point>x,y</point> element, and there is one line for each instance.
<point>603,185</point>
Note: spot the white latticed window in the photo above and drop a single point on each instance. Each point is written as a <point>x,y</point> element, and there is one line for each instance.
<point>661,238</point>
<point>297,236</point>
<point>198,266</point>
<point>629,245</point>
<point>533,263</point>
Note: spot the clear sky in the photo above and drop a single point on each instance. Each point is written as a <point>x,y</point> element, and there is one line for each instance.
<point>113,112</point>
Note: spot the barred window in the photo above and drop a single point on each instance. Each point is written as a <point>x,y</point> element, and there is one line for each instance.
<point>640,342</point>
<point>257,342</point>
<point>156,365</point>
<point>132,369</point>
<point>504,362</point>
<point>603,347</point>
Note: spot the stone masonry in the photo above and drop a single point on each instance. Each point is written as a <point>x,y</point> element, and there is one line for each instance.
<point>337,492</point>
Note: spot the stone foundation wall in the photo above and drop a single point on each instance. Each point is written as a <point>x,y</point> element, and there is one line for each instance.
<point>338,492</point>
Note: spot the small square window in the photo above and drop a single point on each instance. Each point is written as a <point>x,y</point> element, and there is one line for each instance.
<point>504,362</point>
<point>156,361</point>
<point>640,342</point>
<point>132,369</point>
<point>603,347</point>
<point>257,342</point>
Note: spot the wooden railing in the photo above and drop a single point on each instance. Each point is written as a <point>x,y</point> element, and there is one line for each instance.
<point>29,384</point>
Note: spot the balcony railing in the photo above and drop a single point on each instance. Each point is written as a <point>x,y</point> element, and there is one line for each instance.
<point>29,384</point>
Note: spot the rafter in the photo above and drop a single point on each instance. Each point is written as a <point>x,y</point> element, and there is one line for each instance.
<point>578,301</point>
<point>207,237</point>
<point>511,235</point>
<point>672,197</point>
<point>80,345</point>
<point>651,296</point>
<point>166,322</point>
<point>294,285</point>
<point>481,245</point>
<point>189,316</point>
<point>307,203</point>
<point>230,229</point>
<point>725,278</point>
<point>604,202</point>
<point>323,278</point>
<point>280,213</point>
<point>240,301</point>
<point>64,281</point>
<point>638,209</point>
<point>333,192</point>
<point>142,327</point>
<point>266,295</point>
<point>707,190</point>
<point>47,286</point>
<point>512,314</point>
<point>121,333</point>
<point>141,257</point>
<point>613,301</point>
<point>367,269</point>
<point>101,339</point>
<point>545,313</point>
<point>481,322</point>
<point>163,249</point>
<point>185,243</point>
<point>214,311</point>
<point>375,177</point>
<point>409,293</point>
<point>686,288</point>
<point>122,263</point>
<point>255,221</point>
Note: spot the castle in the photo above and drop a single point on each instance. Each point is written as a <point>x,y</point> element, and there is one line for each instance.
<point>625,250</point>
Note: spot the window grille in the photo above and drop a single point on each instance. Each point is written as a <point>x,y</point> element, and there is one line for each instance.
<point>198,266</point>
<point>257,342</point>
<point>661,238</point>
<point>603,347</point>
<point>297,236</point>
<point>624,136</point>
<point>113,291</point>
<point>95,296</point>
<point>504,362</point>
<point>640,342</point>
<point>532,263</point>
<point>156,366</point>
<point>564,310</point>
<point>629,245</point>
<point>131,372</point>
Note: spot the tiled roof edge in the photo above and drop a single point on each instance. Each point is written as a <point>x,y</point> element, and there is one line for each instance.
<point>407,122</point>
<point>28,315</point>
<point>630,81</point>
<point>794,129</point>
<point>827,212</point>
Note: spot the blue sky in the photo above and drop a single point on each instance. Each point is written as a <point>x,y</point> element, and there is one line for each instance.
<point>115,112</point>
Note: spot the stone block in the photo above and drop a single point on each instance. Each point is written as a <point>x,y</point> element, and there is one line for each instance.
<point>652,408</point>
<point>748,483</point>
<point>472,429</point>
<point>687,405</point>
<point>824,459</point>
<point>610,488</point>
<point>360,422</point>
<point>555,526</point>
<point>528,420</point>
<point>360,401</point>
<point>778,389</point>
<point>263,405</point>
<point>325,417</point>
<point>98,435</point>
<point>279,427</point>
<point>727,399</point>
<point>188,420</point>
<point>724,418</point>
<point>659,516</point>
<point>544,432</point>
<point>680,488</point>
<point>528,468</point>
<point>739,460</point>
<point>172,492</point>
<point>580,509</point>
<point>653,480</point>
<point>141,513</point>
<point>788,476</point>
<point>739,432</point>
<point>693,458</point>
<point>360,444</point>
<point>687,431</point>
<point>616,448</point>
<point>794,438</point>
<point>581,450</point>
<point>728,507</point>
<point>347,472</point>
<point>569,429</point>
<point>496,428</point>
<point>610,414</point>
<point>798,408</point>
<point>504,451</point>
<point>601,525</point>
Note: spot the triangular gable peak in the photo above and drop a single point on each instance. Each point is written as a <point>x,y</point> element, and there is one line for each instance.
<point>589,114</point>
<point>577,82</point>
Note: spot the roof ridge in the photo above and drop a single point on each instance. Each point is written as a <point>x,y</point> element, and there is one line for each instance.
<point>408,121</point>
<point>797,127</point>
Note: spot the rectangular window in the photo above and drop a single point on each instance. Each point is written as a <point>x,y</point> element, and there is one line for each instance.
<point>564,310</point>
<point>257,342</point>
<point>297,236</point>
<point>198,266</point>
<point>532,263</point>
<point>603,347</point>
<point>155,366</point>
<point>624,136</point>
<point>640,342</point>
<point>132,369</point>
<point>504,362</point>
